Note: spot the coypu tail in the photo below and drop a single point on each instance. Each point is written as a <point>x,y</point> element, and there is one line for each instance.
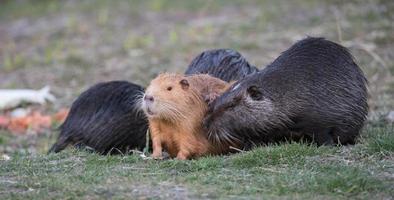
<point>60,144</point>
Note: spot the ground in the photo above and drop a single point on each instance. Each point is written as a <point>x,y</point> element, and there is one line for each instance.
<point>70,45</point>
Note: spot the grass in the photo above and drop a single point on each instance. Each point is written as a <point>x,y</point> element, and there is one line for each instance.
<point>381,140</point>
<point>289,170</point>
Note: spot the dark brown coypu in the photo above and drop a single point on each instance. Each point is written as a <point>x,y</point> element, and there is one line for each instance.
<point>105,117</point>
<point>225,64</point>
<point>313,90</point>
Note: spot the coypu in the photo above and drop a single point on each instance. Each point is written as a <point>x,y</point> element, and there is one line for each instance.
<point>226,64</point>
<point>175,105</point>
<point>314,91</point>
<point>106,118</point>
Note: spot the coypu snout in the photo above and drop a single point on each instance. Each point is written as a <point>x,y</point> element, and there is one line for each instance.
<point>147,104</point>
<point>218,106</point>
<point>148,98</point>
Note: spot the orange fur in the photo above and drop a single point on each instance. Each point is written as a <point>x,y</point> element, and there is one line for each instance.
<point>175,117</point>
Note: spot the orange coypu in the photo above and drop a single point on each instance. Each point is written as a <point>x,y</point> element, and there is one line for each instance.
<point>175,106</point>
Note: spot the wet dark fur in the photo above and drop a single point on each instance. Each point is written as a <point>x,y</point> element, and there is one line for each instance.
<point>314,90</point>
<point>226,64</point>
<point>105,117</point>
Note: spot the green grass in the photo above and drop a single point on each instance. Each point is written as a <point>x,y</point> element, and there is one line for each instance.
<point>289,170</point>
<point>379,139</point>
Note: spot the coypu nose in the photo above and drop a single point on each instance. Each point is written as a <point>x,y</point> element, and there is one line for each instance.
<point>149,98</point>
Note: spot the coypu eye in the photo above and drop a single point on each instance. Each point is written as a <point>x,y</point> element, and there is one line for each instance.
<point>255,93</point>
<point>169,88</point>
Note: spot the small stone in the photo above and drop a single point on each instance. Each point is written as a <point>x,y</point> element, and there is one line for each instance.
<point>390,117</point>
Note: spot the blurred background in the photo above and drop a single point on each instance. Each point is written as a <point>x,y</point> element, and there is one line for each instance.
<point>70,45</point>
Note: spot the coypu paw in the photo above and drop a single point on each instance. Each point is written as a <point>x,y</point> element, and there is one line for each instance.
<point>182,156</point>
<point>157,156</point>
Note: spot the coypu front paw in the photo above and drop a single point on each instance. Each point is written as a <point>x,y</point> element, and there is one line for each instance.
<point>157,156</point>
<point>182,156</point>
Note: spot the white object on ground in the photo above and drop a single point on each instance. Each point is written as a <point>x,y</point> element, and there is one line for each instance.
<point>12,98</point>
<point>5,157</point>
<point>390,117</point>
<point>19,112</point>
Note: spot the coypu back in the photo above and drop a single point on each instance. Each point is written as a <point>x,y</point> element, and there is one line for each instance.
<point>225,64</point>
<point>313,90</point>
<point>106,117</point>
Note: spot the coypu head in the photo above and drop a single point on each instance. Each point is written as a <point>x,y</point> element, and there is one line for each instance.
<point>242,110</point>
<point>168,96</point>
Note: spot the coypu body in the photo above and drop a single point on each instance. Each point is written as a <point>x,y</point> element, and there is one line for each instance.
<point>106,118</point>
<point>175,106</point>
<point>314,91</point>
<point>225,64</point>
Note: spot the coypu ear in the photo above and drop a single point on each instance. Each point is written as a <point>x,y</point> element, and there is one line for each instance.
<point>184,83</point>
<point>255,93</point>
<point>209,98</point>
